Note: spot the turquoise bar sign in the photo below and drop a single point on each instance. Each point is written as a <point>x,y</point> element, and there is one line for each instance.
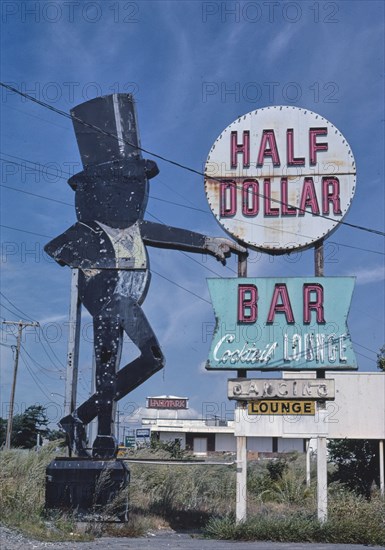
<point>281,324</point>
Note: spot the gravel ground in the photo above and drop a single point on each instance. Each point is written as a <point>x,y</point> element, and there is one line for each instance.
<point>162,540</point>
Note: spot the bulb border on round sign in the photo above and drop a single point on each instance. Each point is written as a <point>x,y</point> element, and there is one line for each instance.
<point>285,248</point>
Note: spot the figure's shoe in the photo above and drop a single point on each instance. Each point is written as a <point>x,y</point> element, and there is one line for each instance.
<point>76,435</point>
<point>104,446</point>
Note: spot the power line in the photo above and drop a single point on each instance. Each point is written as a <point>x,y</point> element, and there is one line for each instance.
<point>39,366</point>
<point>18,309</point>
<point>180,286</point>
<point>153,271</point>
<point>7,308</point>
<point>38,383</point>
<point>191,257</point>
<point>149,213</point>
<point>174,191</point>
<point>155,198</point>
<point>169,161</point>
<point>364,347</point>
<point>38,117</point>
<point>357,248</point>
<point>366,357</point>
<point>38,163</point>
<point>181,205</point>
<point>25,231</point>
<point>35,195</point>
<point>162,276</point>
<point>152,198</point>
<point>41,331</point>
<point>331,242</point>
<point>69,204</point>
<point>253,223</point>
<point>51,237</point>
<point>52,351</point>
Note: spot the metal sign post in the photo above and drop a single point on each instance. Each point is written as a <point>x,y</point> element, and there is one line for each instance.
<point>322,475</point>
<point>382,468</point>
<point>73,345</point>
<point>241,476</point>
<point>308,463</point>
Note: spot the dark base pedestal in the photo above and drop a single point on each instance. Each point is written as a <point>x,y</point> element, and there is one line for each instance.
<point>86,486</point>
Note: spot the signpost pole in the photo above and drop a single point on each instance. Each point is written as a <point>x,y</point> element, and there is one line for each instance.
<point>322,483</point>
<point>241,475</point>
<point>319,259</point>
<point>308,464</point>
<point>322,488</point>
<point>382,468</point>
<point>93,425</point>
<point>241,504</point>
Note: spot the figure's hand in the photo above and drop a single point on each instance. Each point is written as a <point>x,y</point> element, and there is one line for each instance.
<point>222,248</point>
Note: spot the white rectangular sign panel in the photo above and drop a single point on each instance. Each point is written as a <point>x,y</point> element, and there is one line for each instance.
<point>358,412</point>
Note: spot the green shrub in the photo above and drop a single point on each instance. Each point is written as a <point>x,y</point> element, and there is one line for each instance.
<point>276,468</point>
<point>290,489</point>
<point>357,464</point>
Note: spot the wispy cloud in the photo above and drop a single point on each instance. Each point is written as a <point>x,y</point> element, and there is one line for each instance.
<point>370,275</point>
<point>280,42</point>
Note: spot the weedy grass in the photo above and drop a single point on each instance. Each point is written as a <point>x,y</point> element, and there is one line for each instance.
<point>351,518</point>
<point>363,525</point>
<point>184,496</point>
<point>201,497</point>
<point>22,496</point>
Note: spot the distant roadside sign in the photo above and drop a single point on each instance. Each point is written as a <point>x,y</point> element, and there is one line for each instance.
<point>167,403</point>
<point>253,389</point>
<point>129,441</point>
<point>143,432</point>
<point>278,407</point>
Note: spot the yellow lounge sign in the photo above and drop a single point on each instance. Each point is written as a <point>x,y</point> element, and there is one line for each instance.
<point>282,407</point>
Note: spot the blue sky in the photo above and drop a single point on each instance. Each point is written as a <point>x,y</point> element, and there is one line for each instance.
<point>193,68</point>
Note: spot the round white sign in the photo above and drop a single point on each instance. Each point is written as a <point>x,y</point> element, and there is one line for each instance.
<point>280,178</point>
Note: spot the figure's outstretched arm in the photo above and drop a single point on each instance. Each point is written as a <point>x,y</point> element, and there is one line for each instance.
<point>164,236</point>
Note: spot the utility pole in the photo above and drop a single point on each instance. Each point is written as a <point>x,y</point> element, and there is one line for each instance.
<point>21,325</point>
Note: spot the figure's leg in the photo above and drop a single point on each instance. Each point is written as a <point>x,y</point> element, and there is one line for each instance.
<point>151,360</point>
<point>108,336</point>
<point>107,345</point>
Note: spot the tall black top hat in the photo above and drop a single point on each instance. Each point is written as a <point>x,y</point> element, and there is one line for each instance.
<point>106,130</point>
<point>114,114</point>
